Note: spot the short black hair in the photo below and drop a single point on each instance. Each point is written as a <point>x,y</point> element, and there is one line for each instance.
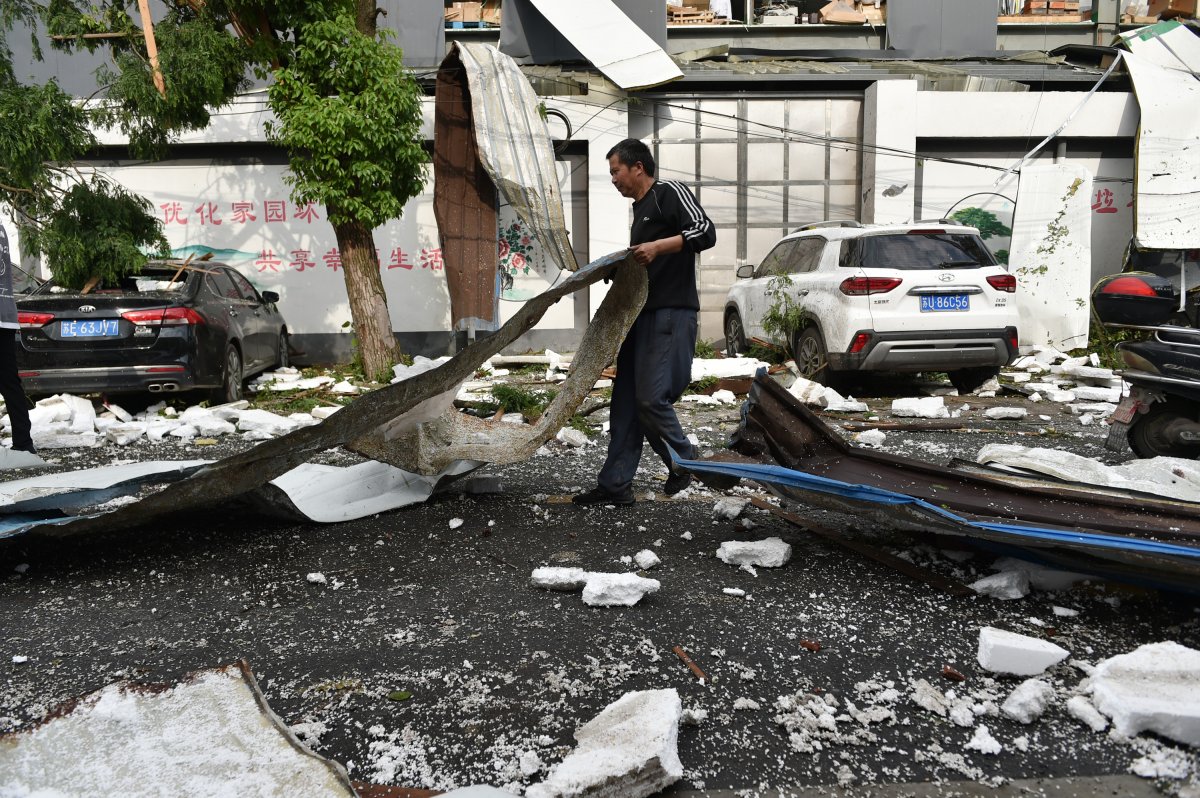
<point>632,151</point>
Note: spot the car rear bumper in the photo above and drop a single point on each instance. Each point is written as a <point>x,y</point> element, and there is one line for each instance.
<point>945,350</point>
<point>110,379</point>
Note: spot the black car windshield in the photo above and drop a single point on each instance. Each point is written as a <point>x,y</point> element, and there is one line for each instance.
<point>933,250</point>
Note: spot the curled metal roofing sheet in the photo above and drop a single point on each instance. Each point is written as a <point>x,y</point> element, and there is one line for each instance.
<point>1132,538</point>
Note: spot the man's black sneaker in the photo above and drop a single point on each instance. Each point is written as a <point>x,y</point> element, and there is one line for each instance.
<point>28,447</point>
<point>599,496</point>
<point>677,482</point>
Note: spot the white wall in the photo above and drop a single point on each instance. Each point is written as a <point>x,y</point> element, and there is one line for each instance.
<point>314,298</point>
<point>989,123</point>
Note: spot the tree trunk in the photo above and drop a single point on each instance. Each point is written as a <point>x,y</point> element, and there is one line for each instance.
<point>368,303</point>
<point>366,17</point>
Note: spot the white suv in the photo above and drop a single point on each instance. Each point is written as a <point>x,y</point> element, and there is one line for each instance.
<point>928,296</point>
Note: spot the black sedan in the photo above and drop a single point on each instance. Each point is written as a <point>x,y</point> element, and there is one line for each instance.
<point>174,326</point>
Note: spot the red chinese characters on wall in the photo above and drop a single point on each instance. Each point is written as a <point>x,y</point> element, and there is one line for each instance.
<point>1104,202</point>
<point>267,261</point>
<point>274,211</point>
<point>207,213</point>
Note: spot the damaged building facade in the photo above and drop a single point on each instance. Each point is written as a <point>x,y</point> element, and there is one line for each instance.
<point>771,126</point>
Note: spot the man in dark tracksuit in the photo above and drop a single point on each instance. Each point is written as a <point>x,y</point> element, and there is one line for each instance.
<point>10,383</point>
<point>654,363</point>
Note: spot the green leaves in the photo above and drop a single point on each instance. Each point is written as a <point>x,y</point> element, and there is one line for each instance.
<point>399,695</point>
<point>99,229</point>
<point>349,115</point>
<point>202,66</point>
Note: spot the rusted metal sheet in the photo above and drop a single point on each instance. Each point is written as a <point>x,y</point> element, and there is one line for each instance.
<point>1130,538</point>
<point>784,429</point>
<point>464,203</point>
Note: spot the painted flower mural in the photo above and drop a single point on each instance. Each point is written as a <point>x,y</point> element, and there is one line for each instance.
<point>515,250</point>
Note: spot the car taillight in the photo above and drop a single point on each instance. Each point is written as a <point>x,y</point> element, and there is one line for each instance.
<point>860,342</point>
<point>1003,282</point>
<point>28,318</point>
<point>859,286</point>
<point>1129,286</point>
<point>163,317</point>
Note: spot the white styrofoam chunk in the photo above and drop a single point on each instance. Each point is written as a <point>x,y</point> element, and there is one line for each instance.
<point>870,438</point>
<point>1155,687</point>
<point>124,434</point>
<point>629,750</point>
<point>1005,412</point>
<point>700,399</point>
<point>183,431</point>
<point>1040,576</point>
<point>572,437</point>
<point>617,590</point>
<point>556,578</point>
<point>83,414</point>
<point>1086,713</point>
<point>212,427</point>
<point>983,742</point>
<point>729,507</point>
<point>769,553</point>
<point>725,397</point>
<point>646,559</point>
<point>121,413</point>
<point>1009,652</point>
<point>323,412</point>
<point>920,407</point>
<point>807,391</point>
<point>847,405</point>
<point>1089,393</point>
<point>1081,372</point>
<point>1028,700</point>
<point>928,697</point>
<point>194,412</point>
<point>420,365</point>
<point>726,367</point>
<point>1006,585</point>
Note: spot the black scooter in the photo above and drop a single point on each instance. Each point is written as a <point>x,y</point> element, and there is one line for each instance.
<point>1161,414</point>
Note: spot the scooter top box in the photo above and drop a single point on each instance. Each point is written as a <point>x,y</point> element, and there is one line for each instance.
<point>1136,298</point>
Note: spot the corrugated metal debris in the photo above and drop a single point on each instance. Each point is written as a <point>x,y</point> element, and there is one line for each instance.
<point>1127,537</point>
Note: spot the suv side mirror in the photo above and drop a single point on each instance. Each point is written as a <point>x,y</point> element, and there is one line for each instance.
<point>745,271</point>
<point>270,297</point>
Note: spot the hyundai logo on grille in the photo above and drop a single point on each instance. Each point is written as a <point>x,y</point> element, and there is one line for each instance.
<point>87,308</point>
<point>946,278</point>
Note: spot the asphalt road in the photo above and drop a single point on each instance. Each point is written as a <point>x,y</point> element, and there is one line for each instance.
<point>414,602</point>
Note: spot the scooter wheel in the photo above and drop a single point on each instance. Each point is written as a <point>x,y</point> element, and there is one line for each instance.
<point>1150,434</point>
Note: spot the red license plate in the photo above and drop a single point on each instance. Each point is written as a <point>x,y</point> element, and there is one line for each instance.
<point>1125,411</point>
